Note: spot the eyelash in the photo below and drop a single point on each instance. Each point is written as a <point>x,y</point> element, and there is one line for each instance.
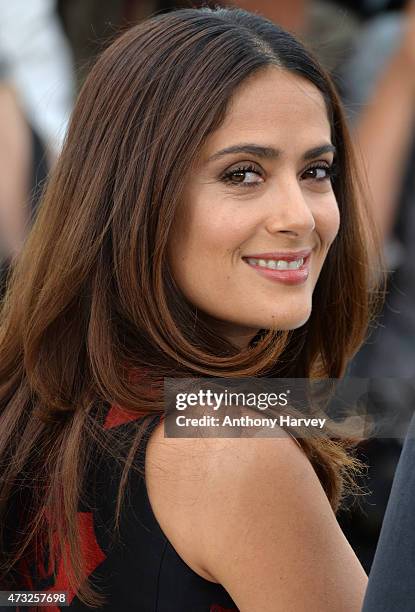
<point>227,177</point>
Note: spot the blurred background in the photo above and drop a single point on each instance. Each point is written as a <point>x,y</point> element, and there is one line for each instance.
<point>46,50</point>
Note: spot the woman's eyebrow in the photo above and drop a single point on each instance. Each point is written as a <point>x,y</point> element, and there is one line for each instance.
<point>269,152</point>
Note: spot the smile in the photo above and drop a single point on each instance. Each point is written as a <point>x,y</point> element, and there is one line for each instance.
<point>276,264</point>
<point>278,270</point>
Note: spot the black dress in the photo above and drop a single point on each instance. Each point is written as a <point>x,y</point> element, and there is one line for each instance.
<point>140,571</point>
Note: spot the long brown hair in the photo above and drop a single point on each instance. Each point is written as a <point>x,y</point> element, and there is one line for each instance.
<point>91,298</point>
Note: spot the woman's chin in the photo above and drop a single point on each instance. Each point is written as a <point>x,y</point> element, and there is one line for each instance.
<point>285,323</point>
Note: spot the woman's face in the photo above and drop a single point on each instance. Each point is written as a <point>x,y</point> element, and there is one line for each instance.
<point>258,196</point>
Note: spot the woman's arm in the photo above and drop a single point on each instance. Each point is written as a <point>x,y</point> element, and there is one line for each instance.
<point>15,166</point>
<point>251,514</point>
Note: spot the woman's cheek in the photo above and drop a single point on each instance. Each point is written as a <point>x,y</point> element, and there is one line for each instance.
<point>335,221</point>
<point>328,220</point>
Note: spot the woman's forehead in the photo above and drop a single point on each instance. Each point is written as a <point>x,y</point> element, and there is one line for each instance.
<point>276,106</point>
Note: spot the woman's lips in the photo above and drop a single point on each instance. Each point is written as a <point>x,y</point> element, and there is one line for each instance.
<point>285,255</point>
<point>289,277</point>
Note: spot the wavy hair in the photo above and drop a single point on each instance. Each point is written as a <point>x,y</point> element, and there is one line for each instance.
<point>91,299</point>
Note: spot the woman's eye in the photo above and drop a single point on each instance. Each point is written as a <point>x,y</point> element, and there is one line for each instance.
<point>246,176</point>
<point>320,172</point>
<point>250,176</point>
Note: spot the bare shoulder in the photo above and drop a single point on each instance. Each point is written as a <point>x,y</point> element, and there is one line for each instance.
<point>251,514</point>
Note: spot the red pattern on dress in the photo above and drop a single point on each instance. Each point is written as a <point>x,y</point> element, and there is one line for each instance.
<point>92,555</point>
<point>118,416</point>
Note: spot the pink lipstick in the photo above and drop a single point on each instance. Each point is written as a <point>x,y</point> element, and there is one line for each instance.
<point>266,264</point>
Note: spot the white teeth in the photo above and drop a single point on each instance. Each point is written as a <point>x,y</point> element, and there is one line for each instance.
<point>276,264</point>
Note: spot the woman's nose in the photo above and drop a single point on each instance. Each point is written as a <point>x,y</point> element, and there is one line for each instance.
<point>289,210</point>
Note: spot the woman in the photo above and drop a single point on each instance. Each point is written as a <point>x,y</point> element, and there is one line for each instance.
<point>201,148</point>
